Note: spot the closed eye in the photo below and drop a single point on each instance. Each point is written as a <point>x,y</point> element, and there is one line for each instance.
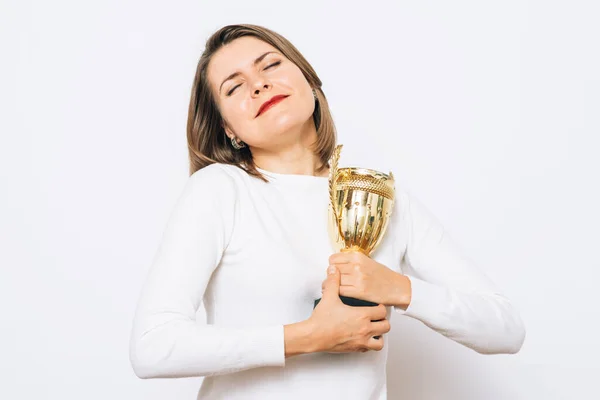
<point>273,65</point>
<point>230,92</point>
<point>232,89</point>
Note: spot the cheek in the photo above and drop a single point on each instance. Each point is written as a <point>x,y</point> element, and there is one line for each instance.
<point>304,106</point>
<point>235,113</point>
<point>298,113</point>
<point>295,80</point>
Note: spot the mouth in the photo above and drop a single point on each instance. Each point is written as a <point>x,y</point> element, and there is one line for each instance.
<point>270,103</point>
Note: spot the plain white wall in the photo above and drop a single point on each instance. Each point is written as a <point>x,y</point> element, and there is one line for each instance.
<point>487,111</point>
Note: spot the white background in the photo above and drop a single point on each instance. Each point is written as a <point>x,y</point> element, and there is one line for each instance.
<point>487,111</point>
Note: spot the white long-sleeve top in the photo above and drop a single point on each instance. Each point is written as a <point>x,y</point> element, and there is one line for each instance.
<point>255,255</point>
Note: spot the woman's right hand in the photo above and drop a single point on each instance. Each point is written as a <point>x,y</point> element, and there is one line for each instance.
<point>339,328</point>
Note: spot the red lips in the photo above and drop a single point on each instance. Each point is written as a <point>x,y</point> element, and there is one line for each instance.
<point>271,102</point>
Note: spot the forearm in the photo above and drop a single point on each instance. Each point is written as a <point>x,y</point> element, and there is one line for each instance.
<point>484,322</point>
<point>300,338</point>
<point>182,348</point>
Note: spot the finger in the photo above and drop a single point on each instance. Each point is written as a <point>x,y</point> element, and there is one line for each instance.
<point>345,257</point>
<point>345,284</point>
<point>375,344</point>
<point>380,327</point>
<point>378,312</point>
<point>347,280</point>
<point>332,285</point>
<point>345,268</point>
<point>340,258</point>
<point>347,291</point>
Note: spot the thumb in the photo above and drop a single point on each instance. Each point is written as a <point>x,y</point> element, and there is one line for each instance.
<point>331,288</point>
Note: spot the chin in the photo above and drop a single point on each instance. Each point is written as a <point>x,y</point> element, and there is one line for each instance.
<point>284,122</point>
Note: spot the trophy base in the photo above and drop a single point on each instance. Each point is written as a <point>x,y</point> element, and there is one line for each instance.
<point>350,301</point>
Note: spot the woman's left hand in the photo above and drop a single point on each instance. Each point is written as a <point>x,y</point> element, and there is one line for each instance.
<point>365,279</point>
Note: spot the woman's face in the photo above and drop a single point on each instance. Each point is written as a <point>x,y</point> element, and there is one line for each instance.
<point>245,75</point>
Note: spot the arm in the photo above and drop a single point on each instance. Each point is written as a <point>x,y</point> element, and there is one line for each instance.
<point>301,338</point>
<point>447,292</point>
<point>166,340</point>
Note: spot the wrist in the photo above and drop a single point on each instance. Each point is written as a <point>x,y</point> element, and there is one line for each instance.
<point>403,292</point>
<point>300,338</point>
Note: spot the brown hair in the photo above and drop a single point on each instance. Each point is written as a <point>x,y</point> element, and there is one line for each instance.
<point>207,141</point>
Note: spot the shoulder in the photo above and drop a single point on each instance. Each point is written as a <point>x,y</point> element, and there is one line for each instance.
<point>219,174</point>
<point>219,179</point>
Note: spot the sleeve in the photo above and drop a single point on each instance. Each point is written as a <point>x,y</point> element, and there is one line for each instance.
<point>449,293</point>
<point>166,340</point>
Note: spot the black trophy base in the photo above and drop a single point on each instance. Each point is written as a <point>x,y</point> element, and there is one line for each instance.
<point>350,301</point>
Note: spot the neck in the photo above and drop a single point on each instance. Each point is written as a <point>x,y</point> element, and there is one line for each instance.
<point>295,157</point>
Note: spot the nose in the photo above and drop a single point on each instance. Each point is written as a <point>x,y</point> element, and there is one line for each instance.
<point>259,85</point>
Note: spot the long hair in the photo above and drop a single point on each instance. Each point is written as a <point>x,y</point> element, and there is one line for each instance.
<point>207,141</point>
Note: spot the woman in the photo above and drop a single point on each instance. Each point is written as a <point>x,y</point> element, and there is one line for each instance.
<point>248,238</point>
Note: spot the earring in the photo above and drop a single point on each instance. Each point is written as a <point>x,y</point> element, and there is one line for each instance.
<point>315,94</point>
<point>237,145</point>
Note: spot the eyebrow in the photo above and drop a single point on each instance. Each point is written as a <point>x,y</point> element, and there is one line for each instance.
<point>237,73</point>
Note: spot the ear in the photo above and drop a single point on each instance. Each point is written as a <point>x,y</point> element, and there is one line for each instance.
<point>227,130</point>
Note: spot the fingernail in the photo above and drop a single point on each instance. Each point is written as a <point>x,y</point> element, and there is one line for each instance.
<point>331,269</point>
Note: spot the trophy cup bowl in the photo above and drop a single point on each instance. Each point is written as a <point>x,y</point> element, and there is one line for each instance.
<point>361,201</point>
<point>360,209</point>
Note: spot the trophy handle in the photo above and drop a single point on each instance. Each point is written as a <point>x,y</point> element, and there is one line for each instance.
<point>333,174</point>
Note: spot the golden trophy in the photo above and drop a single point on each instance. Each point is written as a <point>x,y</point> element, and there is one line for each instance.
<point>360,206</point>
